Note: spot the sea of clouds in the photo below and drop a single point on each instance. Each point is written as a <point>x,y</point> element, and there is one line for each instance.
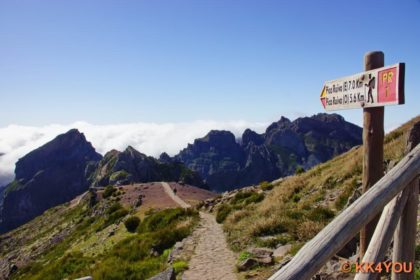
<point>149,138</point>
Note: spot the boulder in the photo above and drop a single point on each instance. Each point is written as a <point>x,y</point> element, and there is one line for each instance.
<point>247,264</point>
<point>259,256</point>
<point>176,251</point>
<point>285,261</point>
<point>168,274</point>
<point>263,256</point>
<point>282,251</point>
<point>13,268</point>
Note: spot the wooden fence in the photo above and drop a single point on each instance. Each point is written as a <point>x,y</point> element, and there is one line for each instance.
<point>398,192</point>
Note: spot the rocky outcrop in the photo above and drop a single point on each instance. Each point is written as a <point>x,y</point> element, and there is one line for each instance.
<point>131,166</point>
<point>168,274</point>
<point>50,175</point>
<point>257,256</point>
<point>225,164</point>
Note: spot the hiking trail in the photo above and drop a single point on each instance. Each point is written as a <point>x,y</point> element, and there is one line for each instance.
<point>174,197</point>
<point>212,259</point>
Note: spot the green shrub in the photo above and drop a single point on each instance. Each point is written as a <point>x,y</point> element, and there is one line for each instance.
<point>114,268</point>
<point>246,198</point>
<point>240,196</point>
<point>132,223</point>
<point>294,213</point>
<point>266,186</point>
<point>180,266</point>
<point>150,211</point>
<point>417,274</point>
<point>330,183</point>
<point>295,248</point>
<point>244,255</point>
<point>222,212</point>
<point>320,214</point>
<point>296,197</point>
<point>392,136</point>
<point>114,207</point>
<point>274,227</point>
<point>299,170</point>
<point>109,190</point>
<point>345,195</point>
<point>165,218</point>
<point>254,198</point>
<point>119,175</point>
<point>71,265</point>
<point>417,252</point>
<point>114,214</point>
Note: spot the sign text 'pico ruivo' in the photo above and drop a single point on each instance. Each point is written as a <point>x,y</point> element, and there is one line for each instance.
<point>374,88</point>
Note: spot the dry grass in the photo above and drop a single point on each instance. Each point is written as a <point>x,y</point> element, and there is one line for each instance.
<point>288,209</point>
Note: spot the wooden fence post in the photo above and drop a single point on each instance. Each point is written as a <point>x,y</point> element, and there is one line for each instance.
<point>373,149</point>
<point>405,234</point>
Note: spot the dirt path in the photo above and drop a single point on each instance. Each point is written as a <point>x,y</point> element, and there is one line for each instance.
<point>174,197</point>
<point>212,260</point>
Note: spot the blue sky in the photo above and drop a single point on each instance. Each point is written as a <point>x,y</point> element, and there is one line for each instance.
<point>110,62</point>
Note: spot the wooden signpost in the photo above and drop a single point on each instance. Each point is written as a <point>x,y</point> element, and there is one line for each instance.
<point>378,86</point>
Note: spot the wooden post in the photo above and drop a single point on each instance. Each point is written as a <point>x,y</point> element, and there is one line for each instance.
<point>384,231</point>
<point>373,148</point>
<point>405,234</point>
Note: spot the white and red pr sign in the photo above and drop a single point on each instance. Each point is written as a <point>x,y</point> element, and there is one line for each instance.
<point>374,88</point>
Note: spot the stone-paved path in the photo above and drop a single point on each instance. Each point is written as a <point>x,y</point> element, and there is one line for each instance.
<point>212,260</point>
<point>174,197</point>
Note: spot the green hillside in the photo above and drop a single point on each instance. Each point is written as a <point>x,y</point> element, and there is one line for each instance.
<point>92,237</point>
<point>296,208</point>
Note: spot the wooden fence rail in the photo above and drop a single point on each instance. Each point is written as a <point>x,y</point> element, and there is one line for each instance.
<point>345,226</point>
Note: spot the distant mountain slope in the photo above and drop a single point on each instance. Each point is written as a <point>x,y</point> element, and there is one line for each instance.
<point>66,166</point>
<point>46,177</point>
<point>226,164</point>
<point>129,166</point>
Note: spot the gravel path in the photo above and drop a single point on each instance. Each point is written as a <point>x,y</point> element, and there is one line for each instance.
<point>212,260</point>
<point>174,197</point>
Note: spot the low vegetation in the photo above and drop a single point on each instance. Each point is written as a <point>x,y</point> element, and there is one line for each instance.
<point>295,209</point>
<point>239,201</point>
<point>132,223</point>
<point>152,239</point>
<point>109,191</point>
<point>180,266</point>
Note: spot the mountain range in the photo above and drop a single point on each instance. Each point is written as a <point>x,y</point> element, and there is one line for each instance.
<point>68,165</point>
<point>284,147</point>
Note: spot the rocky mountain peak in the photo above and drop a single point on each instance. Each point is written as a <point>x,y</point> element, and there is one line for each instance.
<point>131,166</point>
<point>165,158</point>
<point>285,145</point>
<point>282,123</point>
<point>219,137</point>
<point>324,117</point>
<point>50,175</point>
<point>67,147</point>
<point>250,136</point>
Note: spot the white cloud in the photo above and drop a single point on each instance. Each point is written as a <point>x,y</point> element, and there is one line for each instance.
<point>149,138</point>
